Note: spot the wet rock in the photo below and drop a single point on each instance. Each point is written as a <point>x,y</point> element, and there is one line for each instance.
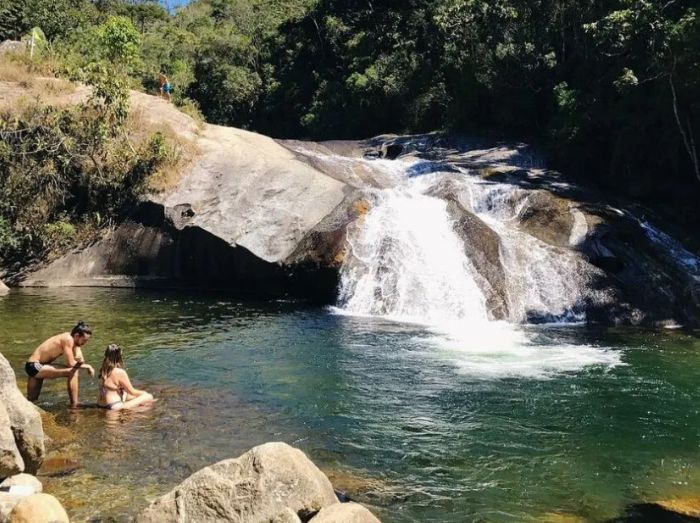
<point>350,484</point>
<point>38,508</point>
<point>25,480</point>
<point>345,513</point>
<point>325,244</point>
<point>258,486</point>
<point>547,218</point>
<point>4,289</point>
<point>391,151</point>
<point>24,418</point>
<point>481,245</point>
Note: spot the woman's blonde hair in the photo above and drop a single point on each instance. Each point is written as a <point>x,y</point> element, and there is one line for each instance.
<point>112,360</point>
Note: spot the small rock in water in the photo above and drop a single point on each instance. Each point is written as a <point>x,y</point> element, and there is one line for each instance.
<point>38,508</point>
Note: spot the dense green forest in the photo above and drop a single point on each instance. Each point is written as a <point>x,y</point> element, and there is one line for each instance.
<point>608,88</point>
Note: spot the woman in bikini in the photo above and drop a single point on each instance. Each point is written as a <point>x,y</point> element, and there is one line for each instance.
<point>116,391</point>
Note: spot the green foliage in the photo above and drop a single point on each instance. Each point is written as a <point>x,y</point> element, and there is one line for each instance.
<point>59,235</point>
<point>64,168</point>
<point>119,42</point>
<point>56,18</point>
<point>609,88</point>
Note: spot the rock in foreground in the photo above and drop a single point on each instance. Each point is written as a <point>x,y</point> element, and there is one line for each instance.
<point>4,289</point>
<point>345,513</point>
<point>264,484</point>
<point>24,421</point>
<point>39,508</point>
<point>11,461</point>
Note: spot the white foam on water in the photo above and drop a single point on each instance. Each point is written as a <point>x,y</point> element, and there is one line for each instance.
<point>502,350</point>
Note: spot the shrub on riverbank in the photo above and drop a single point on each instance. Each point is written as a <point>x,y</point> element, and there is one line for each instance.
<point>66,172</point>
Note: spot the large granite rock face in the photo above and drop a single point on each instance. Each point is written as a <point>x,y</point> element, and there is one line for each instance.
<point>250,191</point>
<point>24,420</point>
<point>271,482</point>
<point>249,217</point>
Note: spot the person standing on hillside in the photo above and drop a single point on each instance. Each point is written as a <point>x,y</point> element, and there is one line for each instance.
<point>165,87</point>
<point>40,366</point>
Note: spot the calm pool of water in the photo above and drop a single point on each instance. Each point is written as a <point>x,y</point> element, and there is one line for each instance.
<point>416,423</point>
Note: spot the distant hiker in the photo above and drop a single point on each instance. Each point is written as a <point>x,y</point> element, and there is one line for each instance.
<point>39,365</point>
<point>165,87</point>
<point>116,391</point>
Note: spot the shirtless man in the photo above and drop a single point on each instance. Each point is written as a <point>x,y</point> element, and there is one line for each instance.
<point>39,368</point>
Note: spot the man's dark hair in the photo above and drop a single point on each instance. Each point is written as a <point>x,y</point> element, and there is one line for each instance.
<point>81,328</point>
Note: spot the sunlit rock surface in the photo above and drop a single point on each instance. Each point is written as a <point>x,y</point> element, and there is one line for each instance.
<point>271,482</point>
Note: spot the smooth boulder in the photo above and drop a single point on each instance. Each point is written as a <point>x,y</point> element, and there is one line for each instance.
<point>4,289</point>
<point>38,508</point>
<point>11,461</point>
<point>24,480</point>
<point>24,420</point>
<point>258,486</point>
<point>345,513</point>
<point>7,504</point>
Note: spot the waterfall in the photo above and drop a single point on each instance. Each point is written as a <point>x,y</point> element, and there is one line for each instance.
<point>405,261</point>
<point>440,245</point>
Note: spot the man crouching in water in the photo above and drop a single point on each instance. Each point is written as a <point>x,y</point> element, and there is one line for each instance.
<point>39,368</point>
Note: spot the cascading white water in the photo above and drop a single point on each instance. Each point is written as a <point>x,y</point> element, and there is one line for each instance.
<point>405,261</point>
<point>543,281</point>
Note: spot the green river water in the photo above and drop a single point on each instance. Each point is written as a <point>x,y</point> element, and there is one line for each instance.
<point>583,423</point>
